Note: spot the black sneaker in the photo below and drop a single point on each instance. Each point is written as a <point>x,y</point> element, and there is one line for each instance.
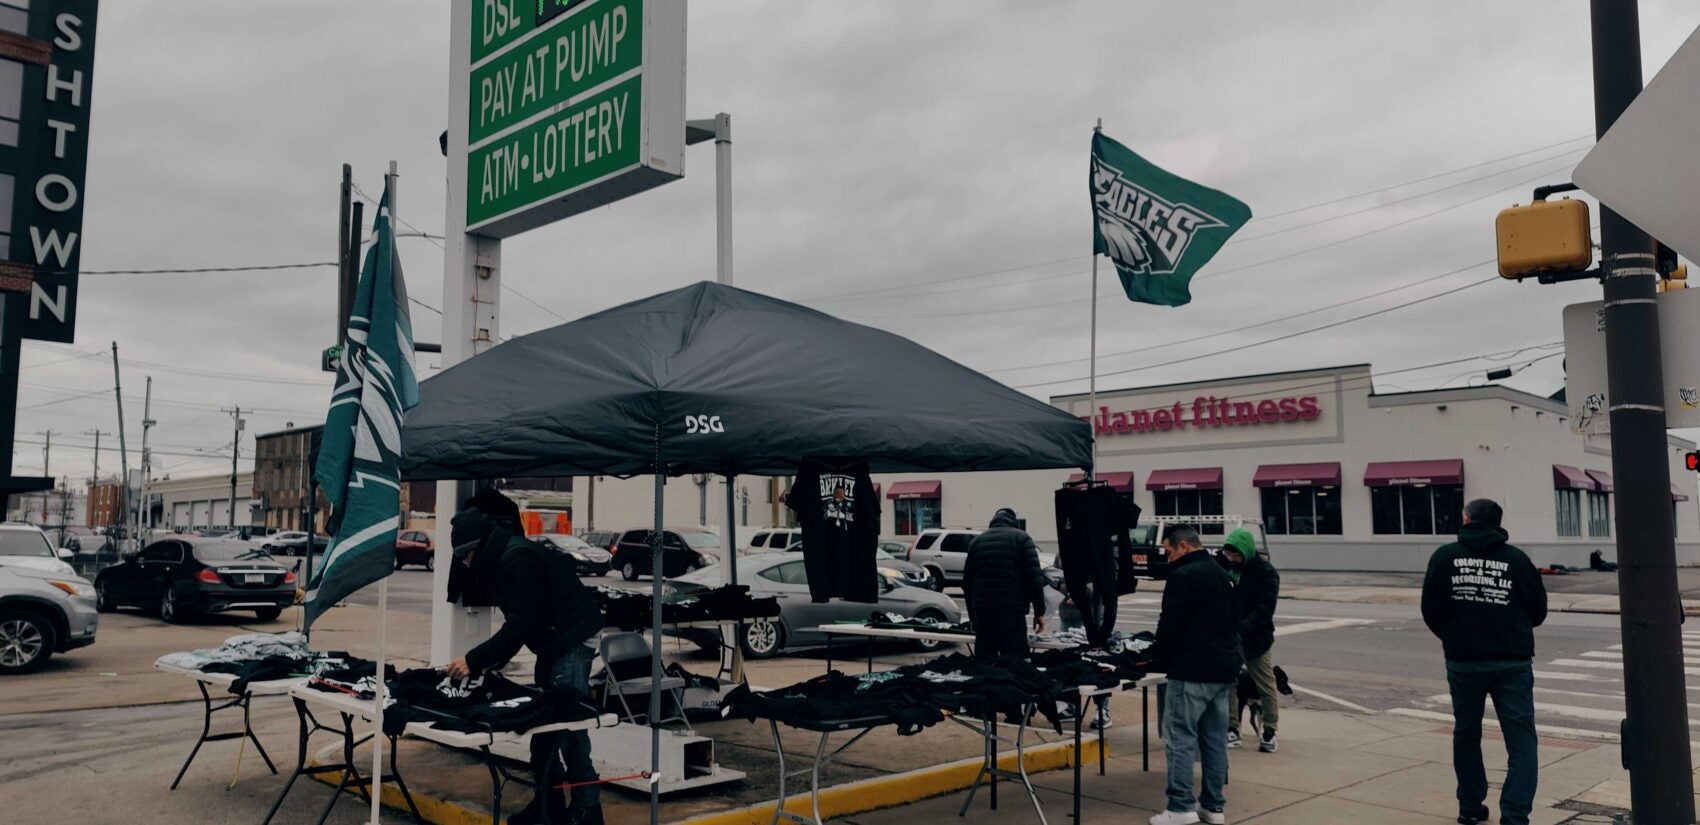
<point>1268,743</point>
<point>584,816</point>
<point>1473,817</point>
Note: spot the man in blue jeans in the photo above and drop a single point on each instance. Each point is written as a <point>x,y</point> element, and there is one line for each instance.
<point>1198,646</point>
<point>547,609</point>
<point>1484,598</point>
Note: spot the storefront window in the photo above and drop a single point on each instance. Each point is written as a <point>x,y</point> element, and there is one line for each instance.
<point>912,515</point>
<point>1568,505</point>
<point>1191,503</point>
<point>1599,514</point>
<point>1435,509</point>
<point>1301,511</point>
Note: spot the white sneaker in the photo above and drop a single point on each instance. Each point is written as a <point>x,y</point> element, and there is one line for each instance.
<point>1212,817</point>
<point>1175,818</point>
<point>1103,720</point>
<point>1233,738</point>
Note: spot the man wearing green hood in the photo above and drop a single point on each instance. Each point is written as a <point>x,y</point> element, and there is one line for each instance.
<point>1256,588</point>
<point>1484,599</point>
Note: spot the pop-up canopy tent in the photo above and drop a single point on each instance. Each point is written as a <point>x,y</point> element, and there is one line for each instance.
<point>713,379</point>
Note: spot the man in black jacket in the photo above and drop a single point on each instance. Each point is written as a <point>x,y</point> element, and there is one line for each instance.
<point>544,608</point>
<point>1483,598</point>
<point>1257,587</point>
<point>1000,578</point>
<point>1198,646</point>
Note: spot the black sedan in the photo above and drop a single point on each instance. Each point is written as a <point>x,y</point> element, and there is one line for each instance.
<point>183,576</point>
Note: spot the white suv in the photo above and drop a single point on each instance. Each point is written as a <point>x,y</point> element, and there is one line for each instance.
<point>943,552</point>
<point>774,540</point>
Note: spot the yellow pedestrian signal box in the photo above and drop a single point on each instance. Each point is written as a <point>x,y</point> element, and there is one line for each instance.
<point>1545,236</point>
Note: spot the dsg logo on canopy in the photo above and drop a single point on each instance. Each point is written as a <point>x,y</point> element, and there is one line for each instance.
<point>703,424</point>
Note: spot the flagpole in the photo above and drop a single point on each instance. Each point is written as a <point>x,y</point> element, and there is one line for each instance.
<point>1092,387</point>
<point>383,601</point>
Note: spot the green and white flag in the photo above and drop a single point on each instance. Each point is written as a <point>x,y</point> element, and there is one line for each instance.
<point>360,462</point>
<point>1157,228</point>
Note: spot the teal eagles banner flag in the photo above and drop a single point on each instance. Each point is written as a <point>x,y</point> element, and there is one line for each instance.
<point>359,464</point>
<point>1158,229</point>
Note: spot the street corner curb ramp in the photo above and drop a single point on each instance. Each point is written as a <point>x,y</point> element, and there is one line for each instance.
<point>835,800</point>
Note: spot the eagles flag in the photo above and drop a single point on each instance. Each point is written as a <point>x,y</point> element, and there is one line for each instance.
<point>359,464</point>
<point>1157,228</point>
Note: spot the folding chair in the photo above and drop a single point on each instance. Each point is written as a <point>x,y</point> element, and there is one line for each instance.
<point>627,659</point>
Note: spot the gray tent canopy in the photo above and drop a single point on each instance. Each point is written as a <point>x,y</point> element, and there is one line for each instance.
<point>716,379</point>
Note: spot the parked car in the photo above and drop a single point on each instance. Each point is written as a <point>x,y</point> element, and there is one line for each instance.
<point>42,613</point>
<point>415,547</point>
<point>590,560</point>
<point>682,551</point>
<point>25,545</point>
<point>908,573</point>
<point>943,552</point>
<point>773,540</point>
<point>783,576</point>
<point>181,576</point>
<point>605,539</point>
<point>293,543</point>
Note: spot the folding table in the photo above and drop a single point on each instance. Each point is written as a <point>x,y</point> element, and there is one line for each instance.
<point>481,742</point>
<point>349,708</point>
<point>826,728</point>
<point>223,681</point>
<point>899,633</point>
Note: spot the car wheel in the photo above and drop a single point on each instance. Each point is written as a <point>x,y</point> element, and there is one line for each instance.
<point>399,564</point>
<point>170,609</point>
<point>629,571</point>
<point>431,561</point>
<point>763,638</point>
<point>938,577</point>
<point>268,614</point>
<point>26,641</point>
<point>929,644</point>
<point>103,598</point>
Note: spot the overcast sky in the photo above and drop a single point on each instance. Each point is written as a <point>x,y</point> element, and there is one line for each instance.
<point>920,167</point>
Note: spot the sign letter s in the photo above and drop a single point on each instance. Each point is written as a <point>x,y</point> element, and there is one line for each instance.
<point>702,424</point>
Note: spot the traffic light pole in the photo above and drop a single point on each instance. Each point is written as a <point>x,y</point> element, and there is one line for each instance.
<point>1655,732</point>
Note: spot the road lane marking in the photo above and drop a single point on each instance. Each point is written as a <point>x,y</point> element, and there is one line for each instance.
<point>1327,624</point>
<point>1335,699</point>
<point>1544,730</point>
<point>1562,676</point>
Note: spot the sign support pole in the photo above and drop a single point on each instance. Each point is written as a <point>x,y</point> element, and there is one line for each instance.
<point>1655,734</point>
<point>472,280</point>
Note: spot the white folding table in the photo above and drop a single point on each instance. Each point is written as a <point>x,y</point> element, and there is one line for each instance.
<point>349,708</point>
<point>223,682</point>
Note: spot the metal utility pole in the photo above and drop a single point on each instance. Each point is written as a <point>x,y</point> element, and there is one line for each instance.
<point>1655,733</point>
<point>719,129</point>
<point>123,449</point>
<point>143,512</point>
<point>235,456</point>
<point>47,453</point>
<point>94,483</point>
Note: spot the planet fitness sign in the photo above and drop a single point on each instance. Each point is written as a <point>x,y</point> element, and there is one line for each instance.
<point>1207,412</point>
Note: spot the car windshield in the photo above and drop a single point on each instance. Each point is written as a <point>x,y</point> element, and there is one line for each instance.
<point>24,543</point>
<point>701,541</point>
<point>566,542</point>
<point>228,551</point>
<point>884,556</point>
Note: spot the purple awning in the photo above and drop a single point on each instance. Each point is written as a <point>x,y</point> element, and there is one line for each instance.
<point>1414,473</point>
<point>1297,475</point>
<point>1565,477</point>
<point>914,489</point>
<point>1602,480</point>
<point>1120,482</point>
<point>1197,478</point>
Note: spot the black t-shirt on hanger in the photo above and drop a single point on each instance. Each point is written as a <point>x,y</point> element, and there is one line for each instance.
<point>840,516</point>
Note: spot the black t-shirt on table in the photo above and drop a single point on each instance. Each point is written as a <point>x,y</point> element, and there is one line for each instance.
<point>840,516</point>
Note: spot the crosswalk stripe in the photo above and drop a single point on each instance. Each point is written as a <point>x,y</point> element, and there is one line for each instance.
<point>1690,654</point>
<point>1553,731</point>
<point>1562,676</point>
<point>1327,624</point>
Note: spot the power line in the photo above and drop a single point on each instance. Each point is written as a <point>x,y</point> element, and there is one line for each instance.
<point>205,269</point>
<point>1267,341</point>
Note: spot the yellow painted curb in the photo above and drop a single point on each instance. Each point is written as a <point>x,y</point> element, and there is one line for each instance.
<point>835,801</point>
<point>903,788</point>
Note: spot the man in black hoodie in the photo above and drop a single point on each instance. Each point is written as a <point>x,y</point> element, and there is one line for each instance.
<point>1484,598</point>
<point>1198,646</point>
<point>1000,578</point>
<point>544,608</point>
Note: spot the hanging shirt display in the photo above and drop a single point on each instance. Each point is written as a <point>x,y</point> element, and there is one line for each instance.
<point>839,512</point>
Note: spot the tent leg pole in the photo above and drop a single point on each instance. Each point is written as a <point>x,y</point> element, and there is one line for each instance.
<point>657,573</point>
<point>729,534</point>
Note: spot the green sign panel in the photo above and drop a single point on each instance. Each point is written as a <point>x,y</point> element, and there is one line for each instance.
<point>588,140</point>
<point>597,42</point>
<point>496,23</point>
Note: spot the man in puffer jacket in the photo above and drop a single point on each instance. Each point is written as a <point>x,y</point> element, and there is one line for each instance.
<point>1257,587</point>
<point>1000,579</point>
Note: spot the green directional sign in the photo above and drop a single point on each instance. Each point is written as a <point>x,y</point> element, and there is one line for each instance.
<point>564,60</point>
<point>571,104</point>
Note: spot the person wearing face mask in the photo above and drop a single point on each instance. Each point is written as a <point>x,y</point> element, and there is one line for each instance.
<point>547,609</point>
<point>1257,587</point>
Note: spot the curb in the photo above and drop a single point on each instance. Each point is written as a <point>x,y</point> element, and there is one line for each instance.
<point>835,800</point>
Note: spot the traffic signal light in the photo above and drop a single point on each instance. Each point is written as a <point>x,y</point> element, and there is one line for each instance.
<point>1545,236</point>
<point>1692,460</point>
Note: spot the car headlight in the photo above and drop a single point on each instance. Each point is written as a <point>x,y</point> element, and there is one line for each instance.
<point>577,556</point>
<point>74,588</point>
<point>891,573</point>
